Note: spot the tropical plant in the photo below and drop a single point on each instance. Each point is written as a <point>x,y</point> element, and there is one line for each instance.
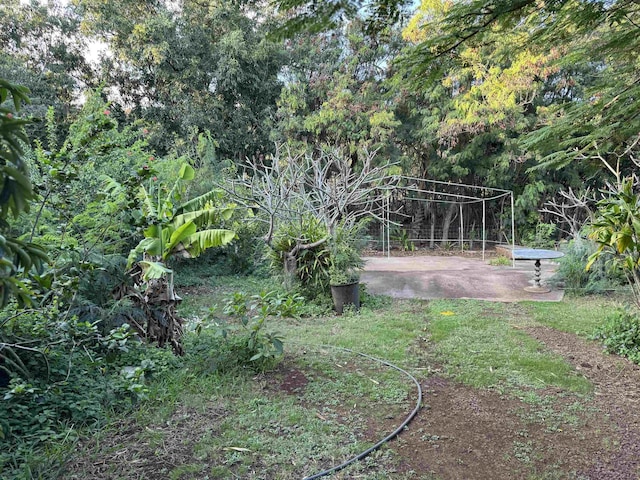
<point>171,228</point>
<point>401,236</point>
<point>17,256</point>
<point>620,334</point>
<point>312,264</point>
<point>243,341</point>
<point>616,230</point>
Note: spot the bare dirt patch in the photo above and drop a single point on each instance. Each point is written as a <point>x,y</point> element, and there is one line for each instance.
<point>293,380</point>
<point>464,433</point>
<point>617,397</point>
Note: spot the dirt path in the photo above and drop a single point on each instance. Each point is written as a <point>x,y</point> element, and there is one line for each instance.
<point>617,396</point>
<point>461,432</point>
<point>464,433</point>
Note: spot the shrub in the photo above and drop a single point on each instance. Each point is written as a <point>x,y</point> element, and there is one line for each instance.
<point>544,236</point>
<point>576,278</point>
<point>312,264</point>
<point>65,375</point>
<point>500,261</point>
<point>620,334</point>
<point>243,342</point>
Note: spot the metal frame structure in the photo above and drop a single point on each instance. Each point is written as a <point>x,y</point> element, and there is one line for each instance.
<point>485,194</point>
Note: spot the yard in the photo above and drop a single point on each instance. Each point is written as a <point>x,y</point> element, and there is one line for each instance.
<point>510,391</point>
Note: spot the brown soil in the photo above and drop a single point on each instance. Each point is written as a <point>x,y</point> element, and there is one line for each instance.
<point>617,397</point>
<point>465,433</point>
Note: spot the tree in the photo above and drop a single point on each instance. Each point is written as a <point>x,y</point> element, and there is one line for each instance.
<point>17,256</point>
<point>616,227</point>
<point>595,37</point>
<point>43,49</point>
<point>204,65</point>
<point>172,228</point>
<point>318,195</point>
<point>335,93</point>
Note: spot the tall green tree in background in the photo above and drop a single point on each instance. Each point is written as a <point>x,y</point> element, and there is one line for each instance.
<point>42,48</point>
<point>599,39</point>
<point>470,118</point>
<point>335,92</point>
<point>193,64</point>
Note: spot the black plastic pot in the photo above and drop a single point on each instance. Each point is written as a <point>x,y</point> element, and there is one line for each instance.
<point>345,295</point>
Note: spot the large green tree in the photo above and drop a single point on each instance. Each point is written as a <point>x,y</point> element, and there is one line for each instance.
<point>192,64</point>
<point>335,92</point>
<point>42,48</point>
<point>598,38</point>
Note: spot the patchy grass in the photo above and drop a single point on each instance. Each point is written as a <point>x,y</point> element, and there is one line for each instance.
<point>578,315</point>
<point>322,405</point>
<point>251,426</point>
<point>482,344</point>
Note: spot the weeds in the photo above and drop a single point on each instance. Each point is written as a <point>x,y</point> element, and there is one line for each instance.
<point>620,334</point>
<point>500,261</point>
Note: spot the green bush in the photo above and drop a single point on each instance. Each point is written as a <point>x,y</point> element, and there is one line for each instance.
<point>242,342</point>
<point>500,261</point>
<point>313,264</point>
<point>544,236</point>
<point>576,278</point>
<point>65,375</point>
<point>620,334</point>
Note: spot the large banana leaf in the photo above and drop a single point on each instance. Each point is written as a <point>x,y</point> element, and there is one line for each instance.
<point>204,217</point>
<point>205,200</point>
<point>179,235</point>
<point>198,242</point>
<point>150,245</point>
<point>149,207</point>
<point>153,269</point>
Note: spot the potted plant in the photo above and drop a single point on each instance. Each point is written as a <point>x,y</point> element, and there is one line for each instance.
<point>344,269</point>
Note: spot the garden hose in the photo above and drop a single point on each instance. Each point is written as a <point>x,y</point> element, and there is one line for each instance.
<point>388,437</point>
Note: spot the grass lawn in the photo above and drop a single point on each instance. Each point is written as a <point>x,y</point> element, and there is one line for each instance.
<point>322,405</point>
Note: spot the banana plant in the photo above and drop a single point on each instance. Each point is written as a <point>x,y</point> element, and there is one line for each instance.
<point>186,230</point>
<point>172,228</point>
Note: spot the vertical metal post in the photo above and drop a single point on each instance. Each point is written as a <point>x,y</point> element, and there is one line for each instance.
<point>513,231</point>
<point>484,232</point>
<point>382,230</point>
<point>461,230</point>
<point>388,227</point>
<point>384,226</point>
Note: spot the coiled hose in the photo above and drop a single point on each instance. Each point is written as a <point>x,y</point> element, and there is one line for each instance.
<point>388,437</point>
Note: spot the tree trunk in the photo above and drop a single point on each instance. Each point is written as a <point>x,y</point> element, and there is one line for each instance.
<point>158,301</point>
<point>290,269</point>
<point>446,222</point>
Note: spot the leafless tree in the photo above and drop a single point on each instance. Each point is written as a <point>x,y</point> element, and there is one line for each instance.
<point>572,209</point>
<point>324,185</point>
<point>575,210</point>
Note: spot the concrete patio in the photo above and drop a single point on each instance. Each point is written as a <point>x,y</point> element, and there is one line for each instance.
<point>431,277</point>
